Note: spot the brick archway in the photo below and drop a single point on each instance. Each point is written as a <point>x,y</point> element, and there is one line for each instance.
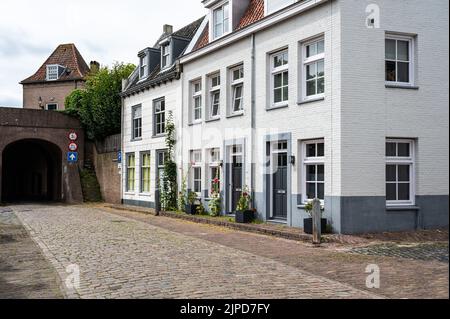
<point>47,133</point>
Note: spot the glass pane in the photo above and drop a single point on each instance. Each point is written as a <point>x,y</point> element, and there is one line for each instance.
<point>311,50</point>
<point>197,173</point>
<point>321,191</point>
<point>403,173</point>
<point>238,91</point>
<point>277,61</point>
<point>285,93</point>
<point>311,173</point>
<point>311,71</point>
<point>390,71</point>
<point>320,149</point>
<point>391,191</point>
<point>285,58</point>
<point>285,78</point>
<point>321,68</point>
<point>403,50</point>
<point>311,88</point>
<point>404,150</point>
<point>403,191</point>
<point>277,95</point>
<point>277,80</point>
<point>310,190</point>
<point>311,150</point>
<point>321,173</point>
<point>390,49</point>
<point>391,149</point>
<point>403,72</point>
<point>391,173</point>
<point>320,47</point>
<point>320,85</point>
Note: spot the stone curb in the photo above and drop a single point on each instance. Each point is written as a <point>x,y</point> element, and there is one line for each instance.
<point>241,227</point>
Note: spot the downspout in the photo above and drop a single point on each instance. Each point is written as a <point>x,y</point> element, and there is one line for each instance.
<point>122,113</point>
<point>253,120</point>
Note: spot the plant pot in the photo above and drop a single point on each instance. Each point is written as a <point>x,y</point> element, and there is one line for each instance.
<point>308,225</point>
<point>245,217</point>
<point>191,209</point>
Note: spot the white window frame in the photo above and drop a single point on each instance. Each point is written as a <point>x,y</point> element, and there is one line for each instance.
<point>57,106</point>
<point>196,162</point>
<point>52,72</point>
<point>158,115</point>
<point>134,118</point>
<point>212,93</point>
<point>197,96</point>
<point>411,61</point>
<point>143,67</point>
<point>226,23</point>
<point>214,163</point>
<point>166,56</point>
<point>234,83</point>
<point>316,160</point>
<point>149,168</point>
<point>128,168</point>
<point>276,71</point>
<point>397,160</point>
<point>308,61</point>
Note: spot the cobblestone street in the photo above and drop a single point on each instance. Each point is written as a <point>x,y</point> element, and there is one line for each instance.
<point>131,255</point>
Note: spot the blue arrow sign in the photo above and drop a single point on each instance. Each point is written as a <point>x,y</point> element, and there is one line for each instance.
<point>119,157</point>
<point>72,157</point>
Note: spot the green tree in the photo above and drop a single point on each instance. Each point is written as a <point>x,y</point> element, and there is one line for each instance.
<point>98,106</point>
<point>169,184</point>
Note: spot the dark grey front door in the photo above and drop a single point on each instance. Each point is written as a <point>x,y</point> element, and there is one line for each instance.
<point>236,181</point>
<point>280,186</point>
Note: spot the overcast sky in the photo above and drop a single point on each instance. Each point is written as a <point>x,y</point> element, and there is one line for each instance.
<point>103,30</point>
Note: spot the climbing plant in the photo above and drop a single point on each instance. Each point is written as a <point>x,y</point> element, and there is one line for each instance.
<point>169,181</point>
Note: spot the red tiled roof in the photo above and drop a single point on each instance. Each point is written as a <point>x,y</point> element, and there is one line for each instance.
<point>254,13</point>
<point>68,56</point>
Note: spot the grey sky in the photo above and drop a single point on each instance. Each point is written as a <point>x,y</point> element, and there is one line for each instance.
<point>103,30</point>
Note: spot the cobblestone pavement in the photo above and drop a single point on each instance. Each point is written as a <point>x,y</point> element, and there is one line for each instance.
<point>434,251</point>
<point>24,271</point>
<point>120,257</point>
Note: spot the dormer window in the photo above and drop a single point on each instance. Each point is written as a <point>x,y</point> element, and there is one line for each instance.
<point>221,20</point>
<point>143,67</point>
<point>165,56</point>
<point>53,72</point>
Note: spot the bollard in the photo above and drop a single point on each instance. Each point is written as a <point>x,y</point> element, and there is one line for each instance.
<point>316,219</point>
<point>157,202</point>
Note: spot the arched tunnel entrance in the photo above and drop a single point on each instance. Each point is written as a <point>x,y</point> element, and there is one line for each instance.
<point>32,171</point>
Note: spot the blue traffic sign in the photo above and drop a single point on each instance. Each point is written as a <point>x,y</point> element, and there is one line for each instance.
<point>72,157</point>
<point>119,157</point>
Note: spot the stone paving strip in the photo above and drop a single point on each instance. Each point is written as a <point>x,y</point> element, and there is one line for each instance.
<point>119,257</point>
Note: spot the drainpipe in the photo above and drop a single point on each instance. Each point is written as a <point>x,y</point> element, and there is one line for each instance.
<point>253,120</point>
<point>122,114</point>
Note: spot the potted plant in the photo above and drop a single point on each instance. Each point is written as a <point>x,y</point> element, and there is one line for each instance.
<point>243,212</point>
<point>215,204</point>
<point>191,206</point>
<point>308,222</point>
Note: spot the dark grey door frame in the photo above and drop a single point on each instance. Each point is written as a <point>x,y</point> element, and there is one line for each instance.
<point>227,169</point>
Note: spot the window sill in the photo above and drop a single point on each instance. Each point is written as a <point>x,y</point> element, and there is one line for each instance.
<point>401,86</point>
<point>145,195</point>
<point>129,194</point>
<point>277,107</point>
<point>136,139</point>
<point>214,119</point>
<point>317,99</point>
<point>402,208</point>
<point>159,135</point>
<point>235,115</point>
<point>195,123</point>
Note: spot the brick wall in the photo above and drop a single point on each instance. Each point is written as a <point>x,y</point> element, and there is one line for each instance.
<point>53,92</point>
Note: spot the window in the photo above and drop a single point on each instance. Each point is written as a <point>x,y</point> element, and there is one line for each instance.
<point>197,100</point>
<point>145,172</point>
<point>280,78</point>
<point>399,65</point>
<point>221,20</point>
<point>52,72</point>
<point>52,107</point>
<point>161,161</point>
<point>159,117</point>
<point>237,89</point>
<point>196,158</point>
<point>214,170</point>
<point>165,59</point>
<point>137,122</point>
<point>313,82</point>
<point>313,170</point>
<point>215,96</point>
<point>143,70</point>
<point>400,172</point>
<point>131,172</point>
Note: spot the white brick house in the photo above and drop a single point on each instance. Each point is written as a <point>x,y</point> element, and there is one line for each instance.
<point>338,99</point>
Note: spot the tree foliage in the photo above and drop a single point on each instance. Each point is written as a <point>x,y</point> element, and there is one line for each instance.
<point>98,106</point>
<point>169,185</point>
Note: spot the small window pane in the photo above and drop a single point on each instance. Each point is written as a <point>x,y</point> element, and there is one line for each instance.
<point>311,71</point>
<point>321,68</point>
<point>404,149</point>
<point>277,80</point>
<point>403,173</point>
<point>320,86</point>
<point>403,191</point>
<point>403,50</point>
<point>278,95</point>
<point>311,50</point>
<point>320,47</point>
<point>391,192</point>
<point>390,71</point>
<point>391,149</point>
<point>321,173</point>
<point>321,191</point>
<point>403,72</point>
<point>311,88</point>
<point>311,150</point>
<point>320,149</point>
<point>285,93</point>
<point>310,190</point>
<point>391,173</point>
<point>311,173</point>
<point>390,49</point>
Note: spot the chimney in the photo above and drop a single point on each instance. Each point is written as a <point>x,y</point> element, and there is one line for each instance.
<point>168,29</point>
<point>95,67</point>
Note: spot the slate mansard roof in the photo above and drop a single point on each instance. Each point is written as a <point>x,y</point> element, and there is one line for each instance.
<point>67,56</point>
<point>157,77</point>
